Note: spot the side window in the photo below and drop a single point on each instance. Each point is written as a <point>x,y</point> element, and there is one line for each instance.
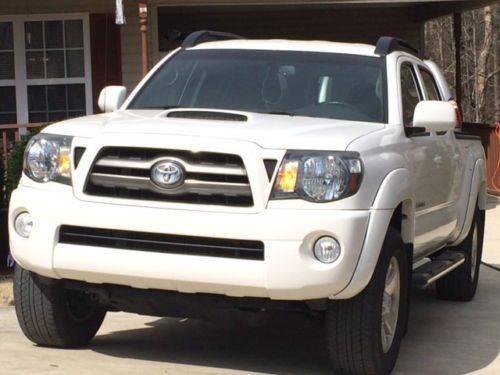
<point>410,93</point>
<point>430,85</point>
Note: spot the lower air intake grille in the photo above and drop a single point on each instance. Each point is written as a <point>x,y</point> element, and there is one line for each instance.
<point>162,243</point>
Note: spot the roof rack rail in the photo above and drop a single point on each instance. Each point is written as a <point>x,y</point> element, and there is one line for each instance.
<point>203,36</point>
<point>388,44</point>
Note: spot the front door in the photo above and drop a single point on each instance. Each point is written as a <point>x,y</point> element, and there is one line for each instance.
<point>429,167</point>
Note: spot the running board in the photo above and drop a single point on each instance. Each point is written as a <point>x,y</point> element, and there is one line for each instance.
<point>426,274</point>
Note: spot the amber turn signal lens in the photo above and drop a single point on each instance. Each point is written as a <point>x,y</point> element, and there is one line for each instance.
<point>287,177</point>
<point>64,162</point>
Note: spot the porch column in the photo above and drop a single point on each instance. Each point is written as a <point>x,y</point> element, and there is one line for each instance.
<point>143,19</point>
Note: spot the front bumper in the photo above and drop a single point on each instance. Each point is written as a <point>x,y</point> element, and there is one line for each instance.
<point>288,272</point>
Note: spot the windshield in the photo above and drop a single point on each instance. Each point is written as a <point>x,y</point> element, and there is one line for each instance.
<point>327,85</point>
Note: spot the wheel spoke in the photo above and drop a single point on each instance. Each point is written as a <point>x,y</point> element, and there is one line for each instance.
<point>390,304</point>
<point>473,254</point>
<point>387,328</point>
<point>393,284</point>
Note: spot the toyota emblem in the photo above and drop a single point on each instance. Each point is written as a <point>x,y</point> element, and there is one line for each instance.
<point>167,174</point>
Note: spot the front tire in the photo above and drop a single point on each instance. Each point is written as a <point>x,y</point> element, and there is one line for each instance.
<point>365,332</point>
<point>461,283</point>
<point>51,316</point>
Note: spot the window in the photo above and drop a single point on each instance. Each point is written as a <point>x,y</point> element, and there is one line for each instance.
<point>54,49</point>
<point>53,79</point>
<point>430,85</point>
<point>8,112</point>
<point>410,93</point>
<point>55,102</point>
<point>6,51</point>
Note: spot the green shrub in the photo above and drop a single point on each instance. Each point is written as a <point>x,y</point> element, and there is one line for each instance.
<point>15,166</point>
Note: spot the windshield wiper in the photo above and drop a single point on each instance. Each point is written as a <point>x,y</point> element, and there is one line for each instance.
<point>163,107</point>
<point>280,113</point>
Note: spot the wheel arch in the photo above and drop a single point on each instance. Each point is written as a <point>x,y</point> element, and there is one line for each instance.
<point>477,198</point>
<point>392,207</point>
<point>403,220</point>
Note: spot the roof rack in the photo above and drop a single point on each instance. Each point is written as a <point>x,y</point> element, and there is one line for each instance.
<point>203,36</point>
<point>388,44</point>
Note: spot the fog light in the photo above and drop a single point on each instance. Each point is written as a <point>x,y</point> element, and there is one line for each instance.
<point>327,249</point>
<point>23,224</point>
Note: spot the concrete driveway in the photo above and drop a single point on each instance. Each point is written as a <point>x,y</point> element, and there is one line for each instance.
<point>443,338</point>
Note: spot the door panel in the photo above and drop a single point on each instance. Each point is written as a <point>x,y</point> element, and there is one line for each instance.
<point>430,173</point>
<point>430,228</point>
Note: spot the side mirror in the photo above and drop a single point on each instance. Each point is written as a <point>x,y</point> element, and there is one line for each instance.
<point>435,116</point>
<point>112,98</point>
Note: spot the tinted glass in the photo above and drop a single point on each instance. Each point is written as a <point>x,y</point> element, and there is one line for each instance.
<point>6,36</point>
<point>73,33</point>
<point>55,64</point>
<point>7,69</point>
<point>35,64</point>
<point>8,102</point>
<point>53,34</point>
<point>8,105</point>
<point>74,63</point>
<point>33,34</point>
<point>409,93</point>
<point>56,102</point>
<point>299,83</point>
<point>76,98</point>
<point>56,97</point>
<point>430,85</point>
<point>37,98</point>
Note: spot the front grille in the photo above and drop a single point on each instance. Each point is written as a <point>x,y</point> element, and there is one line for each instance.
<point>210,178</point>
<point>162,243</point>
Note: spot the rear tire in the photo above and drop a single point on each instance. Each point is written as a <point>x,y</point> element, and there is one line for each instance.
<point>461,283</point>
<point>358,329</point>
<point>51,316</point>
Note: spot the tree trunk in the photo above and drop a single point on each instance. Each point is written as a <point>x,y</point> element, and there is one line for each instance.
<point>482,64</point>
<point>496,66</point>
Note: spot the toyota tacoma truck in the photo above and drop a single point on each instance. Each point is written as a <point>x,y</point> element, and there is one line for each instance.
<point>254,175</point>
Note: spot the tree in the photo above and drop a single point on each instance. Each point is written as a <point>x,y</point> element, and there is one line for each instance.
<point>480,60</point>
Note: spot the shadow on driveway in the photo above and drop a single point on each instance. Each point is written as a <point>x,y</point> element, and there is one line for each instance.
<point>492,201</point>
<point>443,338</point>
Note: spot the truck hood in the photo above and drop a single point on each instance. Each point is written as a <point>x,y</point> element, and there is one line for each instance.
<point>267,131</point>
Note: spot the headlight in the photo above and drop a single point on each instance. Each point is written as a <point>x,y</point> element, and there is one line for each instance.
<point>318,176</point>
<point>47,158</point>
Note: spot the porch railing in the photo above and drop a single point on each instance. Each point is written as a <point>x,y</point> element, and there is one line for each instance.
<point>16,129</point>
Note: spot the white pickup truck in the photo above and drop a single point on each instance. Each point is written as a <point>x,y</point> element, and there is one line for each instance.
<point>254,175</point>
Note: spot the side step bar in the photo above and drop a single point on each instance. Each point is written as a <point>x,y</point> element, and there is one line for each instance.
<point>426,274</point>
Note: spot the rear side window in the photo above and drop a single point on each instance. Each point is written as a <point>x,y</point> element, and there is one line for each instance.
<point>430,85</point>
<point>410,93</point>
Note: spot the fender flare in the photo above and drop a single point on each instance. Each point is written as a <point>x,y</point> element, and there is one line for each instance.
<point>394,190</point>
<point>477,196</point>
